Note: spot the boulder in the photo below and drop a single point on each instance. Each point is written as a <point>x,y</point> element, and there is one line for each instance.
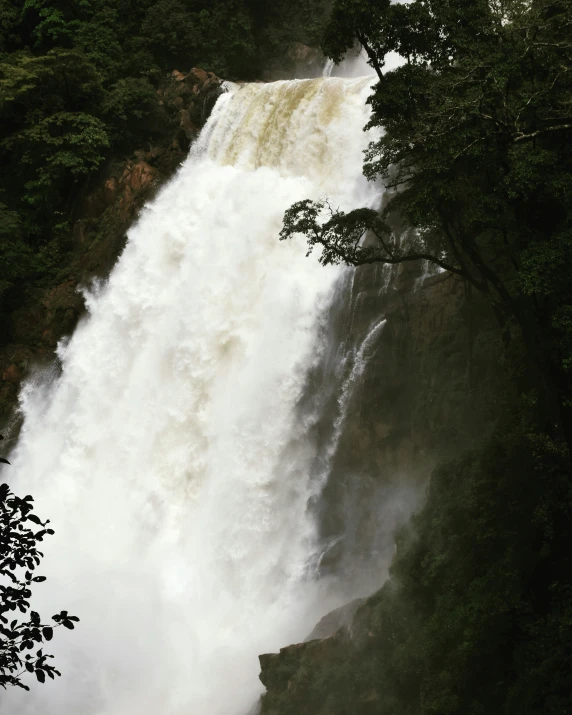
<point>334,620</point>
<point>190,130</point>
<point>141,175</point>
<point>198,76</point>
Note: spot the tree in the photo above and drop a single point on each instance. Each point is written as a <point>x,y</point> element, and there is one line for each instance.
<point>18,260</point>
<point>52,136</point>
<point>476,156</point>
<point>216,36</point>
<point>131,107</point>
<point>22,631</point>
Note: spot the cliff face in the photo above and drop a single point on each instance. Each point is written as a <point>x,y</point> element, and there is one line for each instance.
<point>430,390</point>
<point>426,390</point>
<point>108,207</point>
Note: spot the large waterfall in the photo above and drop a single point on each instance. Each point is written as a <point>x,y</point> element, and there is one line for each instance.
<point>169,451</point>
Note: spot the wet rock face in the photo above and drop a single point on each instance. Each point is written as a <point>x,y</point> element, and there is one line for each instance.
<point>109,205</point>
<point>189,99</point>
<point>335,621</point>
<point>427,392</point>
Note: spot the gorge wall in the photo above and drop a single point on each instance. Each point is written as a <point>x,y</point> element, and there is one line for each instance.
<point>433,387</point>
<point>429,389</point>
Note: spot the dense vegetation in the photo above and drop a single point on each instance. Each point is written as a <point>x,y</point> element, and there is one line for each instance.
<point>477,617</point>
<point>78,82</point>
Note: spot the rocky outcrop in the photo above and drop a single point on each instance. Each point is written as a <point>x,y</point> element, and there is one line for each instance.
<point>300,677</point>
<point>191,98</point>
<point>108,206</point>
<point>332,622</point>
<point>282,673</point>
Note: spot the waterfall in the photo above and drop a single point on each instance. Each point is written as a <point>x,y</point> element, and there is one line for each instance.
<point>169,453</point>
<point>328,68</point>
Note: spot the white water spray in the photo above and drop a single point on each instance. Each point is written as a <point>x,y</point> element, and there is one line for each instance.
<point>168,454</point>
<point>357,65</point>
<point>359,364</point>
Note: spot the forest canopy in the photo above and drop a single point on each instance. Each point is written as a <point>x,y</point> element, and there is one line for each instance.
<point>78,85</point>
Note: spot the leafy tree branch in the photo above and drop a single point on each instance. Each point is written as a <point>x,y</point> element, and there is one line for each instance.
<point>22,630</point>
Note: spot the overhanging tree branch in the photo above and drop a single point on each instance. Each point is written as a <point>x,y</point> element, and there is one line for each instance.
<point>371,55</point>
<point>341,237</point>
<point>532,135</point>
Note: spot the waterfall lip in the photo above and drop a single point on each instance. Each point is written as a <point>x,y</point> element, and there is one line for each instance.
<point>276,116</point>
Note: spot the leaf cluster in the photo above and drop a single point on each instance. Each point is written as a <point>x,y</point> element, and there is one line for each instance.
<point>343,236</point>
<point>21,629</point>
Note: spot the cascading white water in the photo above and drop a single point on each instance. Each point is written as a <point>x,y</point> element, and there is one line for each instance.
<point>168,454</point>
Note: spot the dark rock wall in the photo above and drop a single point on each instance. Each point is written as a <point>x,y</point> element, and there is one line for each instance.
<point>426,390</point>
<point>429,391</point>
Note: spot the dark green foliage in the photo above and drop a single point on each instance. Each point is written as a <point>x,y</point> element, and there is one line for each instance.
<point>19,261</point>
<point>78,86</point>
<point>480,569</point>
<point>278,23</point>
<point>131,107</point>
<point>477,143</point>
<point>22,632</point>
<point>220,34</point>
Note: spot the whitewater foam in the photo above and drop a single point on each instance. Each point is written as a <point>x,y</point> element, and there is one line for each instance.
<point>168,454</point>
